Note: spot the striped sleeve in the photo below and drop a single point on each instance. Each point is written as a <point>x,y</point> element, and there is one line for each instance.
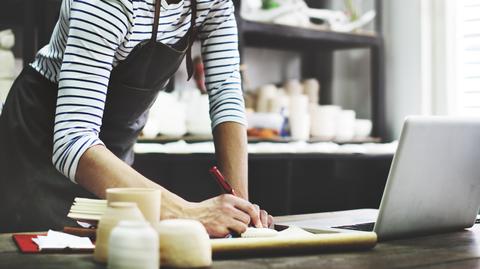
<point>221,61</point>
<point>96,28</point>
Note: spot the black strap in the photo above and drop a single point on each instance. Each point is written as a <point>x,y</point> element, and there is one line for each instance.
<point>192,35</point>
<point>192,32</point>
<point>158,4</point>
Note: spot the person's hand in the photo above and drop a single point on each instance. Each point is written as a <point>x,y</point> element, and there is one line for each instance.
<point>265,218</point>
<point>226,213</point>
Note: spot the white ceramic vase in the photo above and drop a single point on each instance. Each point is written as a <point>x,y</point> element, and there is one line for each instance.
<point>133,245</point>
<point>115,213</point>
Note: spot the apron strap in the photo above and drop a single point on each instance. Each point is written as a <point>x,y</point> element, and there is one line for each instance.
<point>158,4</point>
<point>191,38</point>
<point>192,32</point>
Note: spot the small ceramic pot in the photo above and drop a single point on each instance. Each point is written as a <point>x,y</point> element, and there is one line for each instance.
<point>147,200</point>
<point>323,121</point>
<point>184,244</point>
<point>115,213</point>
<point>133,244</point>
<point>345,122</point>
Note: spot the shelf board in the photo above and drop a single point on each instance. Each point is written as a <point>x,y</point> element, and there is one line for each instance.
<point>198,139</point>
<point>257,34</point>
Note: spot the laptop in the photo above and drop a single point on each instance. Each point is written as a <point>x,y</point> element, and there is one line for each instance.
<point>433,185</point>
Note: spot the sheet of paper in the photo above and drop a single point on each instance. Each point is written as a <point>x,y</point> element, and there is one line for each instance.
<point>291,231</point>
<point>59,240</point>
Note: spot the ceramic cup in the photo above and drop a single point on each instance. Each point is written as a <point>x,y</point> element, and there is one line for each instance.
<point>266,94</point>
<point>116,212</point>
<point>184,243</point>
<point>324,121</point>
<point>298,104</point>
<point>300,126</point>
<point>311,87</point>
<point>147,200</point>
<point>345,125</point>
<point>293,87</point>
<point>133,244</point>
<point>363,128</point>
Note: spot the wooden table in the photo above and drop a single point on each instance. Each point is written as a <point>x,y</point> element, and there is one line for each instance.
<point>453,250</point>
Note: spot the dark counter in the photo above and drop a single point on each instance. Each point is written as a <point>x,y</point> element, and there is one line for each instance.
<point>283,184</point>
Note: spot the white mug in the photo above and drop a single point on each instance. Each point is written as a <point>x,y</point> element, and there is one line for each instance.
<point>324,121</point>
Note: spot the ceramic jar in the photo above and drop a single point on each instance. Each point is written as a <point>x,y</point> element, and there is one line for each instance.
<point>147,200</point>
<point>184,243</point>
<point>133,245</point>
<point>266,94</point>
<point>115,213</point>
<point>293,87</point>
<point>363,128</point>
<point>311,88</point>
<point>299,117</point>
<point>323,121</point>
<point>345,122</point>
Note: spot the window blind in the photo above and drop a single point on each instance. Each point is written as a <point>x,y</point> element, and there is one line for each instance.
<point>468,60</point>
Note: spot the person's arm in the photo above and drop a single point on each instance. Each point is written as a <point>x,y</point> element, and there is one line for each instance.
<point>227,110</point>
<point>231,154</point>
<point>100,169</point>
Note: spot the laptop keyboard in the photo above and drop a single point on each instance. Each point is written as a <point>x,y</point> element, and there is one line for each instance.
<point>367,227</point>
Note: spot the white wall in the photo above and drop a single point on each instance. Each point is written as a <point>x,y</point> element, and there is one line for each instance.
<point>406,29</point>
<point>270,66</point>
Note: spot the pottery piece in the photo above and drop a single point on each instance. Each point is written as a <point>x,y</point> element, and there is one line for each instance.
<point>184,243</point>
<point>116,212</point>
<point>133,244</point>
<point>147,199</point>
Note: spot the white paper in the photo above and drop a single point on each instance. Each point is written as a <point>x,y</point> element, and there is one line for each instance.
<point>59,240</point>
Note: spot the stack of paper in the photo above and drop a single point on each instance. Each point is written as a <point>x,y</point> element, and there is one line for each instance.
<point>87,209</point>
<point>58,240</point>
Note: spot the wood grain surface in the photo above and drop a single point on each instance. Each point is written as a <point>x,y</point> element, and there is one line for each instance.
<point>453,250</point>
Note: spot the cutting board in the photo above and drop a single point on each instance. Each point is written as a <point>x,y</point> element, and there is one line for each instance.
<point>315,243</point>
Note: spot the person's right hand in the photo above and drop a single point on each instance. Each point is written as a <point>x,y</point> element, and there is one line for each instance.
<point>224,214</point>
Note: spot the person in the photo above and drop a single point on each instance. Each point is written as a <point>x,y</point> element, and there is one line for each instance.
<point>72,116</point>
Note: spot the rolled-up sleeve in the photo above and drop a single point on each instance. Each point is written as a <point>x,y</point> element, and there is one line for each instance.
<point>222,64</point>
<point>95,30</point>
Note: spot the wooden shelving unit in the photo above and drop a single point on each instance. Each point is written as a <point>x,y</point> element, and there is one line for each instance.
<point>317,47</point>
<point>267,35</point>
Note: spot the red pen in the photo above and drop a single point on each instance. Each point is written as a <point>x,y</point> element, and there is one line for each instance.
<point>221,181</point>
<point>224,185</point>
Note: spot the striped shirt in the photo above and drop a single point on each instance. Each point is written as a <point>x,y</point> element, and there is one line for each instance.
<point>93,36</point>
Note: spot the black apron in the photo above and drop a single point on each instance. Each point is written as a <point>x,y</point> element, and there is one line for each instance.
<point>34,196</point>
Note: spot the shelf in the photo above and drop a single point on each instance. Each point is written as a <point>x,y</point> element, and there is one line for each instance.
<point>257,34</point>
<point>198,139</point>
